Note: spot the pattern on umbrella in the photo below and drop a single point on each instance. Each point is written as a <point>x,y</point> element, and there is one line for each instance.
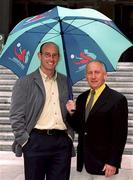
<point>82,35</point>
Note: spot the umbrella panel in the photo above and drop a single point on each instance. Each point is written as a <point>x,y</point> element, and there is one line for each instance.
<point>80,39</point>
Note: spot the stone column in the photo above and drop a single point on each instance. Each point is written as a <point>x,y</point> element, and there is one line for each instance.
<point>5,16</point>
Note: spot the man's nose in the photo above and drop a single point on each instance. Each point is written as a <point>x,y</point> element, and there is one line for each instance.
<point>93,75</point>
<point>52,56</point>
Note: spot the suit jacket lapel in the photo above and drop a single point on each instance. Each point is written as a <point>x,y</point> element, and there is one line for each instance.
<point>39,81</point>
<point>61,87</point>
<point>101,100</point>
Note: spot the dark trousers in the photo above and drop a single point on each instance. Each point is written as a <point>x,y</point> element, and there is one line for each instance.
<point>47,157</point>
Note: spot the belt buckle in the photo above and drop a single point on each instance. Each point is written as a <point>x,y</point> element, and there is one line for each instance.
<point>49,132</point>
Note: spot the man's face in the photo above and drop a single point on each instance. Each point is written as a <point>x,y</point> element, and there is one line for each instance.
<point>95,75</point>
<point>49,57</point>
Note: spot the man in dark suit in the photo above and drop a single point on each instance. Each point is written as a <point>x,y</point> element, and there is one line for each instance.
<point>103,133</point>
<point>38,119</point>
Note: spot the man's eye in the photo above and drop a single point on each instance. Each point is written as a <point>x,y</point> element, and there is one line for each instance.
<point>97,72</point>
<point>47,55</point>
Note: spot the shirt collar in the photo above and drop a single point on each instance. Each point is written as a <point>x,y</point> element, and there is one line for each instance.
<point>45,77</point>
<point>100,89</point>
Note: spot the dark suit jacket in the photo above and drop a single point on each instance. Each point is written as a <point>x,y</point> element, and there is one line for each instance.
<point>102,138</point>
<point>27,103</point>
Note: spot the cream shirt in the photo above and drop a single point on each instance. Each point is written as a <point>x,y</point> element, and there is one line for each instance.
<point>51,117</point>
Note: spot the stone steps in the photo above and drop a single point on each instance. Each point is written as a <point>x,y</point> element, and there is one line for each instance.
<point>5,145</point>
<point>5,128</point>
<point>130,131</point>
<point>4,113</point>
<point>128,149</point>
<point>5,94</point>
<point>4,106</point>
<point>5,100</point>
<point>120,74</point>
<point>130,139</point>
<point>130,123</point>
<point>6,136</point>
<point>4,120</point>
<point>121,80</point>
<point>6,87</point>
<point>7,82</point>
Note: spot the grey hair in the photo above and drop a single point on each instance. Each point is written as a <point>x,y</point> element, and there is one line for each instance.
<point>96,60</point>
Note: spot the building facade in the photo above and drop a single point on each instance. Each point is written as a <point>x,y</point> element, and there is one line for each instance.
<point>13,11</point>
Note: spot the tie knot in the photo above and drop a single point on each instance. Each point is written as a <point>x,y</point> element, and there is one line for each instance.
<point>92,92</point>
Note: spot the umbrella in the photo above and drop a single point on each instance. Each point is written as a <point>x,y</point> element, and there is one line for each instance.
<point>82,34</point>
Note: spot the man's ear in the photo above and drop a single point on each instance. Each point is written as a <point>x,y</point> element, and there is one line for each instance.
<point>105,76</point>
<point>39,55</point>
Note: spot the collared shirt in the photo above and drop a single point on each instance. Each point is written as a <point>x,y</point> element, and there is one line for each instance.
<point>51,117</point>
<point>97,94</point>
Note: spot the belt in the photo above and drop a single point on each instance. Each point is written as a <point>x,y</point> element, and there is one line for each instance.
<point>50,131</point>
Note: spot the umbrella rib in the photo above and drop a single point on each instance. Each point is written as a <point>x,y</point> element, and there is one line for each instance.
<point>79,26</point>
<point>95,20</point>
<point>76,34</point>
<point>49,38</point>
<point>39,32</point>
<point>56,32</point>
<point>68,24</point>
<point>52,28</point>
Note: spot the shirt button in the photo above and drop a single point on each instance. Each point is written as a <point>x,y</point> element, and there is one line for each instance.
<point>85,133</point>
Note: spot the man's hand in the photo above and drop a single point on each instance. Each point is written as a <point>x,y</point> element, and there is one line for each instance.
<point>70,105</point>
<point>109,170</point>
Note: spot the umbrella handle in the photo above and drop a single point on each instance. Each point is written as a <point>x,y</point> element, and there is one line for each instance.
<point>69,85</point>
<point>70,92</point>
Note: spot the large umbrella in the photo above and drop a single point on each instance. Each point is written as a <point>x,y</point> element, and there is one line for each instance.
<point>82,35</point>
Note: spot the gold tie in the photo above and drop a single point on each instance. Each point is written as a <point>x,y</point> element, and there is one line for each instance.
<point>89,105</point>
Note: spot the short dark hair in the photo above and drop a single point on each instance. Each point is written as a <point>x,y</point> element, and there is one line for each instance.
<point>50,42</point>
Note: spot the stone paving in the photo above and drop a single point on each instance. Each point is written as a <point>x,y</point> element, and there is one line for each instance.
<point>11,168</point>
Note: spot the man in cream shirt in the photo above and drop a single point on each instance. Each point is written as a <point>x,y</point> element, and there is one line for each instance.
<point>38,119</point>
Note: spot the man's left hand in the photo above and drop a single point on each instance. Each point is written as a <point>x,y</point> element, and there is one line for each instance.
<point>109,170</point>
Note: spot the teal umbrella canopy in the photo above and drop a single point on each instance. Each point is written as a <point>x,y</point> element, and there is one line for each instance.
<point>81,34</point>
